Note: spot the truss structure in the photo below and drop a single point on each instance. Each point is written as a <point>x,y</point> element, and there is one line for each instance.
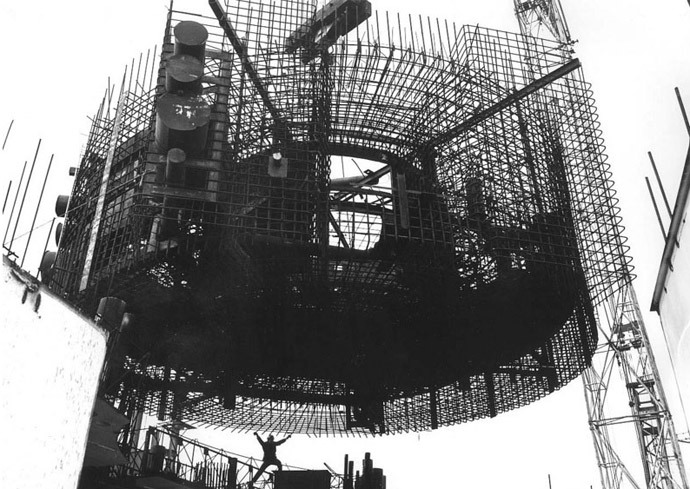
<point>535,16</point>
<point>625,350</point>
<point>392,224</point>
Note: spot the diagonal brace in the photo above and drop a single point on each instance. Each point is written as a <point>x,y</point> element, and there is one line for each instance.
<point>505,102</point>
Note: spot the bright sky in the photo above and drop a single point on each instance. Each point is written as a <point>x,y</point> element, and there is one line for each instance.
<point>57,58</point>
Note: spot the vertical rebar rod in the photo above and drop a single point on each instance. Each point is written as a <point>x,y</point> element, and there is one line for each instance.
<point>7,135</point>
<point>661,187</point>
<point>7,196</point>
<point>16,195</point>
<point>26,188</point>
<point>682,109</point>
<point>656,208</point>
<point>45,248</point>
<point>38,206</point>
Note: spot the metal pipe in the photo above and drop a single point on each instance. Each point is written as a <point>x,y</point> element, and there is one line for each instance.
<point>7,196</point>
<point>28,182</point>
<point>8,134</point>
<point>661,187</point>
<point>38,206</point>
<point>682,109</point>
<point>673,230</point>
<point>16,195</point>
<point>656,208</point>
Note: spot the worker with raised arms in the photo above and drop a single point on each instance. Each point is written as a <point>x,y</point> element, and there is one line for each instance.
<point>269,448</point>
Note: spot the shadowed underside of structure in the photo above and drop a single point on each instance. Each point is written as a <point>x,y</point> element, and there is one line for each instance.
<point>367,225</point>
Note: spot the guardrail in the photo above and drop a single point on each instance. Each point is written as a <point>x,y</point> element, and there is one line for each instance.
<point>166,454</point>
<point>172,456</point>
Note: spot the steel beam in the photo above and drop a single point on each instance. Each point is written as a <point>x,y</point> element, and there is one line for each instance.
<point>241,50</point>
<point>507,101</point>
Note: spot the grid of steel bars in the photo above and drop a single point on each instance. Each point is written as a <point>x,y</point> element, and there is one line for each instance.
<point>484,152</point>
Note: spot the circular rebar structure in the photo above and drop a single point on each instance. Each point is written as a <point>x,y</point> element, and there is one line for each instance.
<point>394,224</point>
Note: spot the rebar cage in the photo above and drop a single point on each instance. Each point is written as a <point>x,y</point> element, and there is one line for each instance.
<point>393,224</point>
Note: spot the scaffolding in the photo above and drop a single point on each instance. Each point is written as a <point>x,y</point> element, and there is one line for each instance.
<point>394,224</point>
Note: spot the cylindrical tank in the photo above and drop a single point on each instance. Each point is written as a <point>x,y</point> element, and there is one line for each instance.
<point>183,74</point>
<point>182,122</point>
<point>190,39</point>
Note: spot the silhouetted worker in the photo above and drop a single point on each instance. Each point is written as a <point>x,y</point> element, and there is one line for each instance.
<point>269,447</point>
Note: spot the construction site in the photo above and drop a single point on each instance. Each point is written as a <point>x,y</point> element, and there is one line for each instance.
<point>307,218</point>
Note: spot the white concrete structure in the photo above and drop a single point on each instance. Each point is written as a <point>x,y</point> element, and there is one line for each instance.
<point>50,360</point>
<point>671,299</point>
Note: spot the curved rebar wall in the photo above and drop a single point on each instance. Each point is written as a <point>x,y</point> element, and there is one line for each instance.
<point>454,280</point>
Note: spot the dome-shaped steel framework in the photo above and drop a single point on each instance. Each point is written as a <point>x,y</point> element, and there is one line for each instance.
<point>390,224</point>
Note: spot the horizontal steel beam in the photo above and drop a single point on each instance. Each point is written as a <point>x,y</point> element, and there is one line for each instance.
<point>503,103</point>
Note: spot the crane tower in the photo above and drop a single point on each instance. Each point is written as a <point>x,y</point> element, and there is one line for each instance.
<point>624,347</point>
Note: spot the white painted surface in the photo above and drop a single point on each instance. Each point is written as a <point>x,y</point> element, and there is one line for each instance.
<point>674,309</point>
<point>50,362</point>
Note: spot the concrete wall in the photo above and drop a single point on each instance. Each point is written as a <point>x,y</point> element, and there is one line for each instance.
<point>674,311</point>
<point>50,361</point>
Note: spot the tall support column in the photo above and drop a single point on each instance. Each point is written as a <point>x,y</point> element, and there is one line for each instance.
<point>100,203</point>
<point>323,83</point>
<point>626,348</point>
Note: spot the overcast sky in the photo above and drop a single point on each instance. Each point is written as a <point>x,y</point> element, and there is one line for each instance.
<point>57,57</point>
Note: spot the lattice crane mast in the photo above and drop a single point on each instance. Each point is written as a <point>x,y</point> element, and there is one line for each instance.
<point>624,346</point>
<point>533,15</point>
